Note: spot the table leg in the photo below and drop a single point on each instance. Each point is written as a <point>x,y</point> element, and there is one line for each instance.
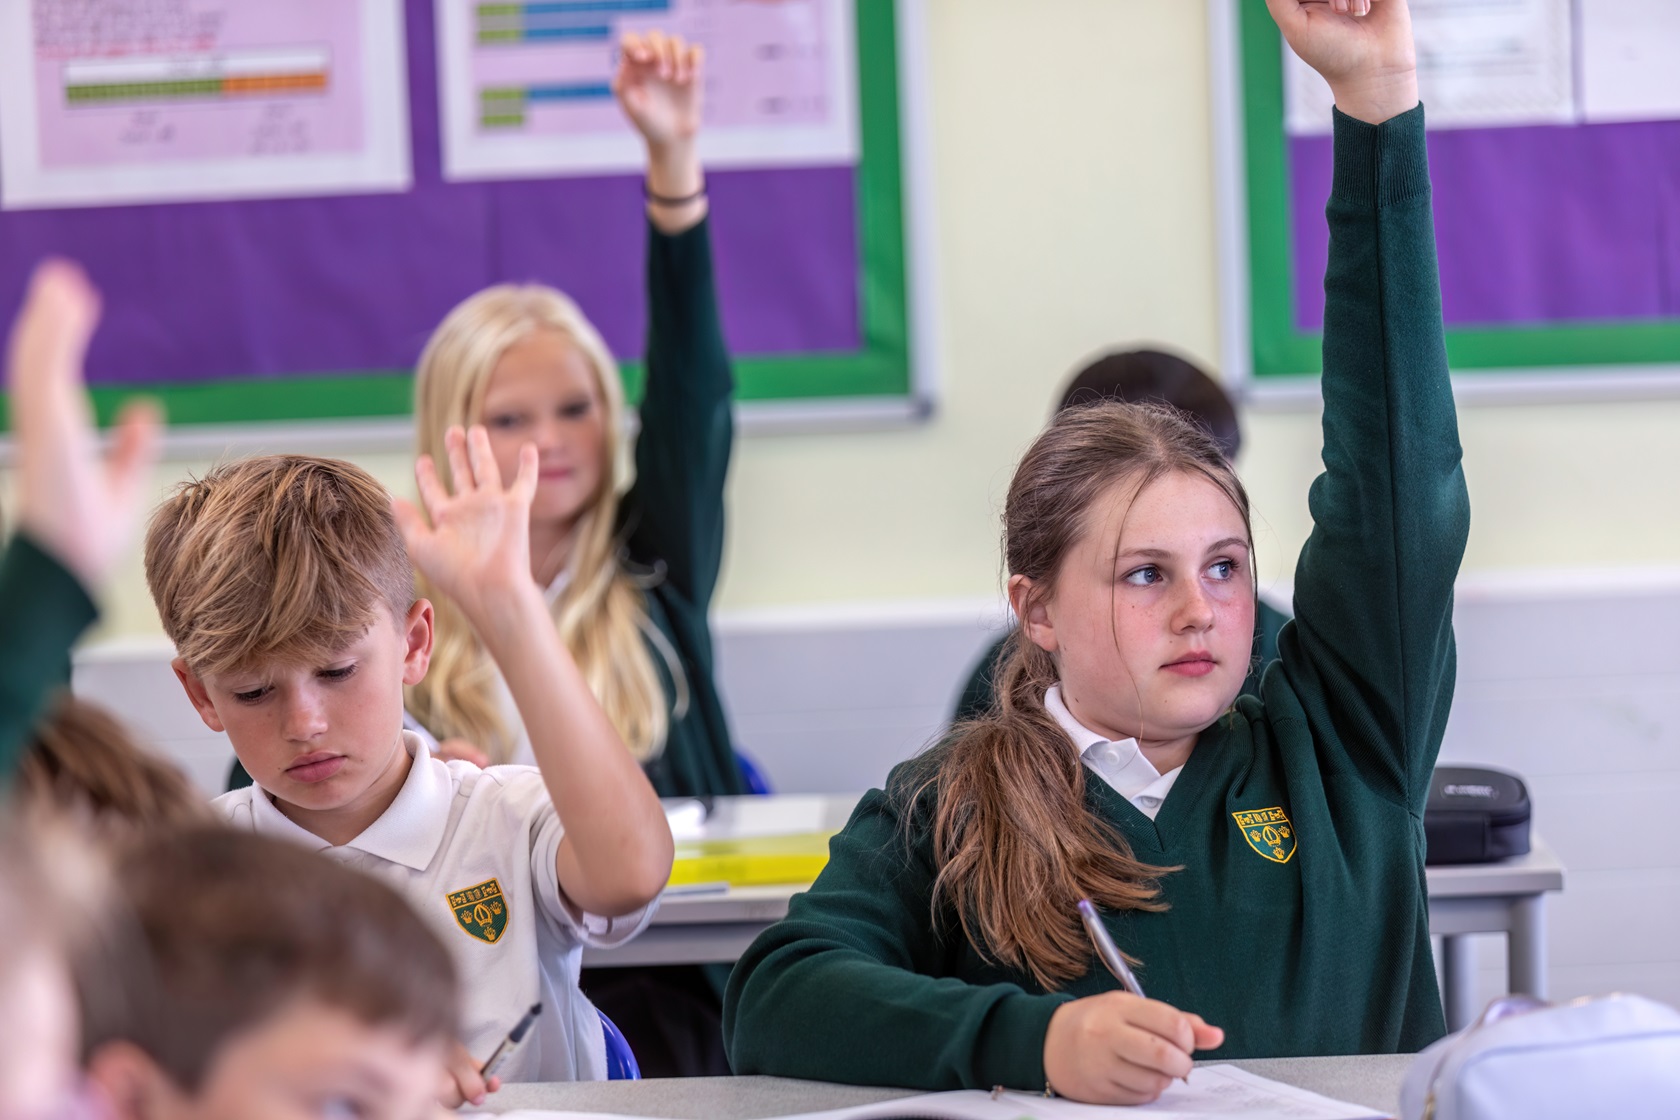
<point>1458,980</point>
<point>1526,946</point>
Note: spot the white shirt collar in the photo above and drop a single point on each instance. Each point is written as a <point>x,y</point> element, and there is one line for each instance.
<point>1119,762</point>
<point>408,832</point>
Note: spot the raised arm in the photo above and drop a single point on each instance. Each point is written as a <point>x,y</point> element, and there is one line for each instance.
<point>1371,652</point>
<point>76,510</point>
<point>615,855</point>
<point>675,512</point>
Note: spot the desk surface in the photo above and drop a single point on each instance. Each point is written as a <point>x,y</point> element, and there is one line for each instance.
<point>1533,873</point>
<point>1372,1081</point>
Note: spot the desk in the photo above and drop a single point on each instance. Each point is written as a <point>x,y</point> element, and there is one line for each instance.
<point>1372,1081</point>
<point>1506,897</point>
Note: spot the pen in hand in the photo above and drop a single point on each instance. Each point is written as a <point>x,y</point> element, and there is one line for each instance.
<point>514,1037</point>
<point>1109,952</point>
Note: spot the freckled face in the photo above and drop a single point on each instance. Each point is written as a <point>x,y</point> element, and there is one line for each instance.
<point>544,391</point>
<point>1153,640</point>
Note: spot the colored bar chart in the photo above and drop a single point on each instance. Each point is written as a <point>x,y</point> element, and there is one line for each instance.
<point>558,20</point>
<point>101,82</point>
<point>526,88</point>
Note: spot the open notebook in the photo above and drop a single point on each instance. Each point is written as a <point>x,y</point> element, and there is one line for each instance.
<point>1213,1091</point>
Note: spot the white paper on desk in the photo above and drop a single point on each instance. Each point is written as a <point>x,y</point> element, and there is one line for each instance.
<point>1214,1091</point>
<point>745,818</point>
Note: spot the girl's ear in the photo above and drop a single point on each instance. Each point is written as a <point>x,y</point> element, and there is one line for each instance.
<point>1031,610</point>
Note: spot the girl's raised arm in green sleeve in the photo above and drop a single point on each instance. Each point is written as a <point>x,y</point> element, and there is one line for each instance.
<point>675,511</point>
<point>1371,656</point>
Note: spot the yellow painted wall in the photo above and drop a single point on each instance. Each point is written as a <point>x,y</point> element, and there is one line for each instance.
<point>1074,210</point>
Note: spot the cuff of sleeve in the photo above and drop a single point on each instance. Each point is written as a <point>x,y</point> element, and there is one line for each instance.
<point>1378,165</point>
<point>43,600</point>
<point>609,933</point>
<point>1010,1048</point>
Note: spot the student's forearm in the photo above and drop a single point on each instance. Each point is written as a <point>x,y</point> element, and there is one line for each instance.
<point>616,854</point>
<point>674,173</point>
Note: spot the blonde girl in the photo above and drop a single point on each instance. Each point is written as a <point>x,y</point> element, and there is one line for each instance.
<point>1261,859</point>
<point>628,568</point>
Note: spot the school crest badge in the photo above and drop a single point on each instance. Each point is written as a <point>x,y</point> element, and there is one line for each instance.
<point>1268,832</point>
<point>481,910</point>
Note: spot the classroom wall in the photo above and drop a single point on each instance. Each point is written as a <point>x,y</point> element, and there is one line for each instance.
<point>1073,206</point>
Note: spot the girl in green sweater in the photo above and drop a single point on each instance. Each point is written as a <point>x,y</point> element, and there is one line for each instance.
<point>1260,859</point>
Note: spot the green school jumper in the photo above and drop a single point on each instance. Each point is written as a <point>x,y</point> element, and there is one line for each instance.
<point>43,610</point>
<point>980,692</point>
<point>1300,920</point>
<point>672,518</point>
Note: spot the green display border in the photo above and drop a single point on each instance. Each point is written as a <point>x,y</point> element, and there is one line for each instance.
<point>1279,350</point>
<point>880,368</point>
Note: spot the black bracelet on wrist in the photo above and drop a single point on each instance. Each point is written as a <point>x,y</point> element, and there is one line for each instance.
<point>668,200</point>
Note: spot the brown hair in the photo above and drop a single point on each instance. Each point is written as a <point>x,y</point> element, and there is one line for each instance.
<point>227,928</point>
<point>1014,844</point>
<point>83,759</point>
<point>281,557</point>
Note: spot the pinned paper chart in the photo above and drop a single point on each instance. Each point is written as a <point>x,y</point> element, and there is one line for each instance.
<point>526,88</point>
<point>125,101</point>
<point>1509,63</point>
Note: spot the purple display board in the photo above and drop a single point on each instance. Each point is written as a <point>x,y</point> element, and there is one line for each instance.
<point>1536,226</point>
<point>304,287</point>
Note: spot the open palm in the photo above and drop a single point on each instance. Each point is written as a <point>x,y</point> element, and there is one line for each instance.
<point>477,539</point>
<point>658,84</point>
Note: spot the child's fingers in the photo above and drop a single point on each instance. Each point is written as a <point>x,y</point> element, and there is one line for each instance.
<point>469,1082</point>
<point>634,47</point>
<point>455,445</point>
<point>410,524</point>
<point>524,486</point>
<point>1208,1036</point>
<point>134,445</point>
<point>696,57</point>
<point>484,468</point>
<point>426,478</point>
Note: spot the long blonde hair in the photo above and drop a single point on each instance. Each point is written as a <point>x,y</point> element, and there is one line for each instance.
<point>600,616</point>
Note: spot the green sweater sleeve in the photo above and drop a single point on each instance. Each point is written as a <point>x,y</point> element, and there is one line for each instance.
<point>43,610</point>
<point>675,510</point>
<point>855,985</point>
<point>1371,652</point>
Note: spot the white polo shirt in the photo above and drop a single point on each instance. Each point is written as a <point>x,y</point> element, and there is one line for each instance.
<point>473,851</point>
<point>1119,762</point>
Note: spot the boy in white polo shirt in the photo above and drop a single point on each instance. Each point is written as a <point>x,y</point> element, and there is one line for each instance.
<point>285,585</point>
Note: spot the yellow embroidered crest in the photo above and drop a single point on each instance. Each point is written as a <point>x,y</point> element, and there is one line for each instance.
<point>1268,832</point>
<point>481,910</point>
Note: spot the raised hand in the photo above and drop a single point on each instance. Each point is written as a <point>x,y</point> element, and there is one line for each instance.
<point>77,505</point>
<point>476,546</point>
<point>658,84</point>
<point>1363,48</point>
